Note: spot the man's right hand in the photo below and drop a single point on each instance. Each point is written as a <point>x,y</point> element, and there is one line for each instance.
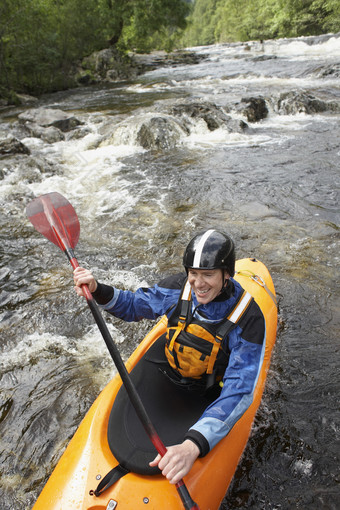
<point>82,276</point>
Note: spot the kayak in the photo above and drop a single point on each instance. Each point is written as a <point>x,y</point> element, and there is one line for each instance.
<point>111,436</point>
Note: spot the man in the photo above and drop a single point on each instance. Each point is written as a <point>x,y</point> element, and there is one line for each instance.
<point>215,339</point>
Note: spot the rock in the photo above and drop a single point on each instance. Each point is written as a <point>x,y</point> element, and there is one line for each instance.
<point>330,71</point>
<point>47,117</point>
<point>111,65</point>
<point>76,134</point>
<point>25,99</point>
<point>256,108</point>
<point>149,61</point>
<point>291,103</point>
<point>214,116</point>
<point>153,131</point>
<point>107,65</point>
<point>333,106</point>
<point>158,133</point>
<point>13,146</point>
<point>236,125</point>
<point>165,130</point>
<point>49,134</point>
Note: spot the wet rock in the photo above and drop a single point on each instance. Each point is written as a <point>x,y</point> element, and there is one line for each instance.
<point>107,65</point>
<point>236,125</point>
<point>291,103</point>
<point>47,117</point>
<point>331,71</point>
<point>49,134</point>
<point>78,133</point>
<point>13,146</point>
<point>153,131</point>
<point>111,65</point>
<point>165,130</point>
<point>214,116</point>
<point>25,99</point>
<point>256,108</point>
<point>159,133</point>
<point>333,106</point>
<point>149,61</point>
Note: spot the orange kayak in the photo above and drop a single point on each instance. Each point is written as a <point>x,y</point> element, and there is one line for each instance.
<point>88,457</point>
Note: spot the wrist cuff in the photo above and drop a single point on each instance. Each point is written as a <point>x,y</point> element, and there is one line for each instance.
<point>103,293</point>
<point>199,440</point>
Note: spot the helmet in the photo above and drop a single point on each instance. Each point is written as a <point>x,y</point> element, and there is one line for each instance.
<point>210,250</point>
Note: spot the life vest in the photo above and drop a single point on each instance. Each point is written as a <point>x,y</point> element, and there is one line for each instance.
<point>195,348</point>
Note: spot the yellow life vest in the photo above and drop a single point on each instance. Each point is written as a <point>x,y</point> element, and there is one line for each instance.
<point>194,348</point>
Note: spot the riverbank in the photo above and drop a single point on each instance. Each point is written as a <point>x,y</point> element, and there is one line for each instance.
<point>112,66</point>
<point>109,66</point>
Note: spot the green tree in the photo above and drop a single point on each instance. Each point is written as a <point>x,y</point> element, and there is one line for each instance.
<point>201,23</point>
<point>294,18</point>
<point>22,41</point>
<point>150,19</point>
<point>41,40</point>
<point>328,13</point>
<point>242,20</point>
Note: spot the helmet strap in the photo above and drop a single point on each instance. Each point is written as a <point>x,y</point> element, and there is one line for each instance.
<point>225,281</point>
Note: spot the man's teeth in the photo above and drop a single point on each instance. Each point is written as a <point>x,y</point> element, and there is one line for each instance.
<point>202,291</point>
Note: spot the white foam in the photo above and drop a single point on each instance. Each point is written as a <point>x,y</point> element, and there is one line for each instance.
<point>205,138</point>
<point>128,279</point>
<point>33,346</point>
<point>303,466</point>
<point>90,172</point>
<point>300,48</point>
<point>280,47</point>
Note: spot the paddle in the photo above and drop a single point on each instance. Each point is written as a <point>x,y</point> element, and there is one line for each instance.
<point>55,218</point>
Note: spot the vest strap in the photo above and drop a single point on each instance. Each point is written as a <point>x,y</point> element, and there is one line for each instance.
<point>225,328</point>
<point>179,329</point>
<point>240,308</point>
<point>185,303</point>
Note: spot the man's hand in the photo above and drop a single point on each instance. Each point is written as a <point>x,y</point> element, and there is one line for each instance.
<point>177,461</point>
<point>81,277</point>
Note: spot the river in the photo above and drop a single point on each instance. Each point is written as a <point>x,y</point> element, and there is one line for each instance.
<point>273,185</point>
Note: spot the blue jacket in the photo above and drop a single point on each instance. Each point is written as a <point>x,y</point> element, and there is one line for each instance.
<point>246,344</point>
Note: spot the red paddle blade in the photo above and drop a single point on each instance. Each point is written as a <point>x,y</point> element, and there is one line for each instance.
<point>54,217</point>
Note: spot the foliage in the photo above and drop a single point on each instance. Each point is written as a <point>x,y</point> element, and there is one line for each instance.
<point>242,20</point>
<point>152,21</point>
<point>41,40</point>
<point>202,23</point>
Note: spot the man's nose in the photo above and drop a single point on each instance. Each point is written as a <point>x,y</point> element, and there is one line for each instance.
<point>199,280</point>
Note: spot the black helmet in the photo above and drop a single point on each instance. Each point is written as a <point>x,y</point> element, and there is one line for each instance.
<point>210,250</point>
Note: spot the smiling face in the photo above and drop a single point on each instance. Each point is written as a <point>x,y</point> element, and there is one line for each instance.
<point>206,283</point>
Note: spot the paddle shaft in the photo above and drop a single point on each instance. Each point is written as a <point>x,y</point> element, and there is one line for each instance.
<point>54,217</point>
<point>138,405</point>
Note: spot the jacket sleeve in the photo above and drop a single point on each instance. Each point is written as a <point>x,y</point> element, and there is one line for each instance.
<point>145,303</point>
<point>237,393</point>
